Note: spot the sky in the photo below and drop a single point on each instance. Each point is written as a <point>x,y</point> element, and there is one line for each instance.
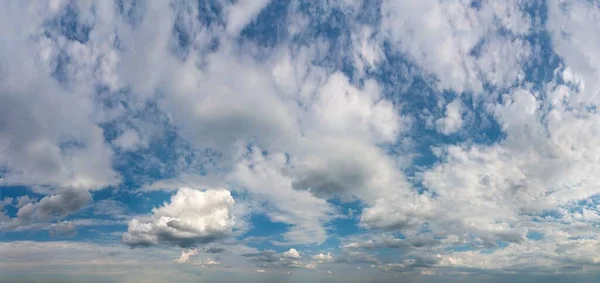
<point>299,141</point>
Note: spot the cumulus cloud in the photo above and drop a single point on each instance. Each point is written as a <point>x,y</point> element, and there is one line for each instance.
<point>291,253</point>
<point>453,120</point>
<point>185,256</point>
<point>191,217</point>
<point>475,49</point>
<point>54,206</point>
<point>323,257</point>
<point>44,138</point>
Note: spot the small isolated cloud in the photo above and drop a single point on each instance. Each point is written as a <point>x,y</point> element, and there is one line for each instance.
<point>453,120</point>
<point>323,257</point>
<point>291,253</point>
<point>185,256</point>
<point>260,270</point>
<point>192,217</point>
<point>130,140</point>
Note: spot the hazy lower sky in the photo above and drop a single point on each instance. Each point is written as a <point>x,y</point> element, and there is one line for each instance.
<point>299,141</point>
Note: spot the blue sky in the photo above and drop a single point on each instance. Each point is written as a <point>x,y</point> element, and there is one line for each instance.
<point>299,141</point>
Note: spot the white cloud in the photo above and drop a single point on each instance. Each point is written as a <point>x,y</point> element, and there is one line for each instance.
<point>129,140</point>
<point>289,135</point>
<point>191,217</point>
<point>291,253</point>
<point>185,255</point>
<point>453,120</point>
<point>264,178</point>
<point>51,134</point>
<point>573,38</point>
<point>260,270</point>
<point>439,36</point>
<point>64,228</point>
<point>323,257</point>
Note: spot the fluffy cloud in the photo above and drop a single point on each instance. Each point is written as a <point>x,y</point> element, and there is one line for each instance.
<point>461,44</point>
<point>50,134</point>
<point>185,256</point>
<point>323,257</point>
<point>191,217</point>
<point>59,205</point>
<point>264,178</point>
<point>453,120</point>
<point>291,253</point>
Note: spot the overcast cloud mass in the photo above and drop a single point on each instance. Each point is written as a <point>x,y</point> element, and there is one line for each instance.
<point>300,141</point>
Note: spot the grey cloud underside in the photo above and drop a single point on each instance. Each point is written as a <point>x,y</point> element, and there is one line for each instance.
<point>462,128</point>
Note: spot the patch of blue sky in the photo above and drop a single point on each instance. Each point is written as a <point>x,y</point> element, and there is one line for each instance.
<point>209,14</point>
<point>535,235</point>
<point>347,224</point>
<point>132,11</point>
<point>270,27</point>
<point>540,70</point>
<point>263,232</point>
<point>142,203</point>
<point>61,68</point>
<point>70,24</point>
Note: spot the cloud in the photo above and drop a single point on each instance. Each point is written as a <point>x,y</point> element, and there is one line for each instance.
<point>242,13</point>
<point>475,48</point>
<point>64,228</point>
<point>323,257</point>
<point>59,205</point>
<point>191,217</point>
<point>185,256</point>
<point>264,257</point>
<point>453,121</point>
<point>263,178</point>
<point>271,259</point>
<point>291,253</point>
<point>463,131</point>
<point>215,250</point>
<point>129,140</point>
<point>44,140</point>
<point>24,200</point>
